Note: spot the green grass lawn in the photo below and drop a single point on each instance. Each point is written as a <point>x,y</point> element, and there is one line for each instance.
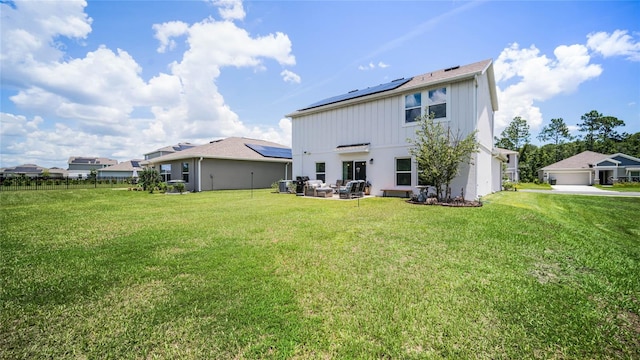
<point>215,275</point>
<point>532,186</point>
<point>621,187</point>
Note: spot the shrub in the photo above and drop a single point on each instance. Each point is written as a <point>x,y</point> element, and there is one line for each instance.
<point>508,185</point>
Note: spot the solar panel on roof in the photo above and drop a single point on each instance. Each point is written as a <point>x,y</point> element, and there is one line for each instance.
<point>271,151</point>
<point>359,93</point>
<point>135,163</point>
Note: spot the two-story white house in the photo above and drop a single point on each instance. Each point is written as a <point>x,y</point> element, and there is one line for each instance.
<point>363,134</point>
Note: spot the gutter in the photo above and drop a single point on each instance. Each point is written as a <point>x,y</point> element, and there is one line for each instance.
<point>200,174</point>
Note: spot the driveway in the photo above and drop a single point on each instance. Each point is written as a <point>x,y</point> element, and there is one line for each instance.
<point>584,190</point>
<point>580,189</point>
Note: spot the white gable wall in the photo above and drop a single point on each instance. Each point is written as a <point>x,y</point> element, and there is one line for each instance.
<point>381,123</point>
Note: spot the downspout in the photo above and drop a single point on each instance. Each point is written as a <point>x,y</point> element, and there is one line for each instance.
<point>475,126</point>
<point>286,170</point>
<point>200,174</point>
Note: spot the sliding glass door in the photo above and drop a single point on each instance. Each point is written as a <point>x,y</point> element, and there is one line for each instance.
<point>354,170</point>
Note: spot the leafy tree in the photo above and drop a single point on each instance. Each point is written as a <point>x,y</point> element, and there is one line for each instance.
<point>589,125</point>
<point>149,178</point>
<point>439,153</point>
<point>558,132</point>
<point>629,144</point>
<point>607,135</point>
<point>600,131</point>
<point>515,135</point>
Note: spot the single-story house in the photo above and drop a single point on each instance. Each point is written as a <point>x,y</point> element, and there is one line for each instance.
<point>589,168</point>
<point>231,163</point>
<point>125,169</point>
<point>362,135</point>
<point>33,171</point>
<point>510,165</point>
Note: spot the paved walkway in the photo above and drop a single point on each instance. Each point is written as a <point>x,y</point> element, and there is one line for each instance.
<point>584,190</point>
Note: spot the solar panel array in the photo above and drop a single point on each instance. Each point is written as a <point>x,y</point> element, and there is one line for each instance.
<point>271,151</point>
<point>135,163</point>
<point>359,93</point>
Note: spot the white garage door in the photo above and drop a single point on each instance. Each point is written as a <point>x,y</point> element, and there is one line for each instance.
<point>580,178</point>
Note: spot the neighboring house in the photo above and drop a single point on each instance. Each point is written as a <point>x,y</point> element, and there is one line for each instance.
<point>125,169</point>
<point>80,167</point>
<point>511,164</point>
<point>231,163</point>
<point>32,171</point>
<point>168,150</point>
<point>28,170</point>
<point>363,134</point>
<point>589,168</point>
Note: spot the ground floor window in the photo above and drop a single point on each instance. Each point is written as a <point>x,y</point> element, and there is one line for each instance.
<point>185,172</point>
<point>403,171</point>
<point>320,171</point>
<point>354,170</point>
<point>165,172</point>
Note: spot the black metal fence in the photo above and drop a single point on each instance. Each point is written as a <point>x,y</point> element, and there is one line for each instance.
<point>18,183</point>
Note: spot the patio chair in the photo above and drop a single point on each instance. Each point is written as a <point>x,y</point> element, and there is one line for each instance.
<point>347,191</point>
<point>359,192</point>
<point>337,185</point>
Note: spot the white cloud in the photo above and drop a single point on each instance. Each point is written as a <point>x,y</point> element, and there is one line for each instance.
<point>618,43</point>
<point>525,76</point>
<point>164,32</point>
<point>230,9</point>
<point>383,65</point>
<point>371,66</point>
<point>290,76</point>
<point>97,118</point>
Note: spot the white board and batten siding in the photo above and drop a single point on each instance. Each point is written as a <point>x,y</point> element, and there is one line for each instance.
<point>379,121</point>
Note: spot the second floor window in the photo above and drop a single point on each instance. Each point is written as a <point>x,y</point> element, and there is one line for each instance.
<point>412,107</point>
<point>437,103</point>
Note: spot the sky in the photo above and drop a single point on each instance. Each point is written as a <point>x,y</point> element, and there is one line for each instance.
<point>119,79</point>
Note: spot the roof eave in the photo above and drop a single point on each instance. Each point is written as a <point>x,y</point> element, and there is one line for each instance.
<point>402,89</point>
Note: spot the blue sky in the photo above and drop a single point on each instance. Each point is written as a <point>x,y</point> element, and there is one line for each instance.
<point>118,79</point>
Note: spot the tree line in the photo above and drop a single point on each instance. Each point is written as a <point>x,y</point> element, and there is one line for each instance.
<point>598,133</point>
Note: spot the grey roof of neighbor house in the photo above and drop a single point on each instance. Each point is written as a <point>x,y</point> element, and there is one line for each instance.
<point>233,148</point>
<point>129,165</point>
<point>579,161</point>
<point>173,148</point>
<point>24,168</point>
<point>32,169</point>
<point>450,74</point>
<point>91,160</point>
